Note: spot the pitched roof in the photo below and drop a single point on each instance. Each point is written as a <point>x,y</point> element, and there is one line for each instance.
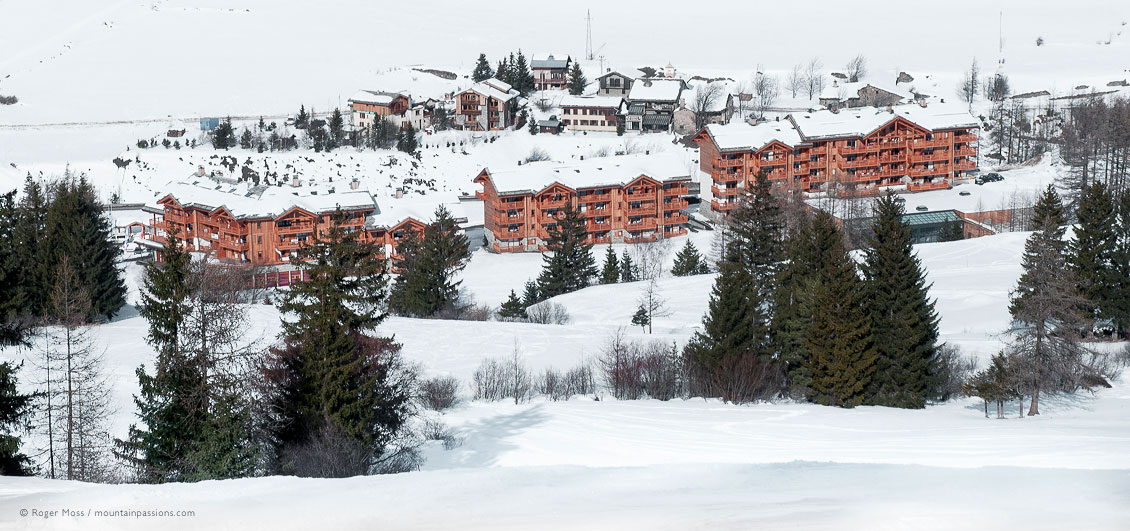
<point>590,101</point>
<point>656,90</point>
<point>591,173</point>
<point>493,88</point>
<point>630,73</point>
<point>549,62</point>
<point>800,128</point>
<point>254,202</point>
<point>375,97</point>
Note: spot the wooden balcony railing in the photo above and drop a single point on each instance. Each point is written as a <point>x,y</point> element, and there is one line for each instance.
<point>723,192</point>
<point>681,189</point>
<point>675,204</point>
<point>940,184</point>
<point>640,196</point>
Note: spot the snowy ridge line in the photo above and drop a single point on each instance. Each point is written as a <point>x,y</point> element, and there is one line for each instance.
<point>155,120</point>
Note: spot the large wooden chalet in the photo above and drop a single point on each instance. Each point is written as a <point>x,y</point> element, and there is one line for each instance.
<point>630,198</point>
<point>366,105</point>
<point>266,225</point>
<point>916,146</point>
<point>486,106</point>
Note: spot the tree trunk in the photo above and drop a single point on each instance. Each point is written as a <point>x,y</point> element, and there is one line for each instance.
<point>70,410</point>
<point>1035,409</point>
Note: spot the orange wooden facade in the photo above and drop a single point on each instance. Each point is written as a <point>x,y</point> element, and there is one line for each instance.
<point>266,241</point>
<point>642,210</point>
<point>898,153</point>
<point>397,107</point>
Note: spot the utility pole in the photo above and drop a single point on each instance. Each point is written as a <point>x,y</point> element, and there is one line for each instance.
<point>588,34</point>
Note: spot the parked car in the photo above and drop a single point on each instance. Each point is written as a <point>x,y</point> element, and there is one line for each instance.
<point>921,208</point>
<point>964,192</point>
<point>988,178</point>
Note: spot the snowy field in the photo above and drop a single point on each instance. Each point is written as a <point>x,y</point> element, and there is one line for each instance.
<point>95,77</point>
<point>668,465</point>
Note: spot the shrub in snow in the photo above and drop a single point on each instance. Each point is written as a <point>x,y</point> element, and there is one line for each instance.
<point>537,154</point>
<point>952,371</point>
<point>436,430</point>
<point>8,100</point>
<point>499,380</point>
<point>438,393</point>
<point>548,312</point>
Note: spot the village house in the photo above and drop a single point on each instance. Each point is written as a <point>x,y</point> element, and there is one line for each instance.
<point>617,83</point>
<point>552,126</point>
<point>366,105</point>
<point>841,94</point>
<point>914,146</point>
<point>266,226</point>
<point>486,106</point>
<point>550,73</point>
<point>628,198</point>
<point>590,113</point>
<point>719,111</point>
<point>651,104</point>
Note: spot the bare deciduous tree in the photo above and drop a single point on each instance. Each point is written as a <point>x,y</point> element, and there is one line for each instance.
<point>653,303</point>
<point>856,69</point>
<point>970,84</point>
<point>765,91</point>
<point>795,81</point>
<point>705,98</point>
<point>814,77</point>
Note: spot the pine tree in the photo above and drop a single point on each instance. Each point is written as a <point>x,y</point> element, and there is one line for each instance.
<point>902,315</point>
<point>31,253</point>
<point>841,353</point>
<point>12,329</point>
<point>170,405</point>
<point>329,377</point>
<point>570,265</point>
<point>610,273</point>
<point>426,283</point>
<point>792,309</point>
<point>302,121</point>
<point>512,309</point>
<point>503,72</point>
<point>223,137</point>
<point>688,261</point>
<point>1118,300</point>
<point>523,79</point>
<point>640,318</point>
<point>482,69</point>
<point>15,412</point>
<point>1045,304</point>
<point>533,126</point>
<point>245,139</point>
<point>1090,252</point>
<point>577,81</point>
<point>627,268</point>
<point>337,130</point>
<point>407,139</point>
<point>76,226</point>
<point>530,295</point>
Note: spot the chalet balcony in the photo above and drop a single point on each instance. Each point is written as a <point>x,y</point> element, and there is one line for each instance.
<point>644,238</point>
<point>232,244</point>
<point>888,157</point>
<point>643,224</point>
<point>964,152</point>
<point>925,144</point>
<point>940,184</point>
<point>724,192</point>
<point>546,204</point>
<point>801,169</point>
<point>964,165</point>
<point>674,218</point>
<point>721,206</point>
<point>594,240</point>
<point>861,162</point>
<point>295,228</point>
<point>598,226</point>
<point>640,196</point>
<point>922,172</point>
<point>966,138</point>
<point>720,162</point>
<point>595,198</point>
<point>675,204</point>
<point>937,155</point>
<point>681,189</point>
<point>859,148</point>
<point>642,210</point>
<point>777,174</point>
<point>290,244</point>
<point>480,195</point>
<point>503,219</point>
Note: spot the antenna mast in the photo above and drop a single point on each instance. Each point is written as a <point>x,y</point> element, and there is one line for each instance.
<point>588,34</point>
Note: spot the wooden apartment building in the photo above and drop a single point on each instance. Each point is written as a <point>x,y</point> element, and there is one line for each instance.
<point>265,225</point>
<point>550,73</point>
<point>366,105</point>
<point>917,146</point>
<point>628,198</point>
<point>486,106</point>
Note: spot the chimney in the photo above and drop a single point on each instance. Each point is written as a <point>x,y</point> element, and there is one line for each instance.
<point>295,182</point>
<point>399,193</point>
<point>582,157</point>
<point>200,171</point>
<point>354,184</point>
<point>922,102</point>
<point>890,109</point>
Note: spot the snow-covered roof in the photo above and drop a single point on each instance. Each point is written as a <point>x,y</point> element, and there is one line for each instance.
<point>740,136</point>
<point>630,73</point>
<point>845,90</point>
<point>594,172</point>
<point>494,88</point>
<point>549,62</point>
<point>651,89</point>
<point>799,128</point>
<point>865,120</point>
<point>590,101</point>
<point>247,202</point>
<point>374,97</point>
